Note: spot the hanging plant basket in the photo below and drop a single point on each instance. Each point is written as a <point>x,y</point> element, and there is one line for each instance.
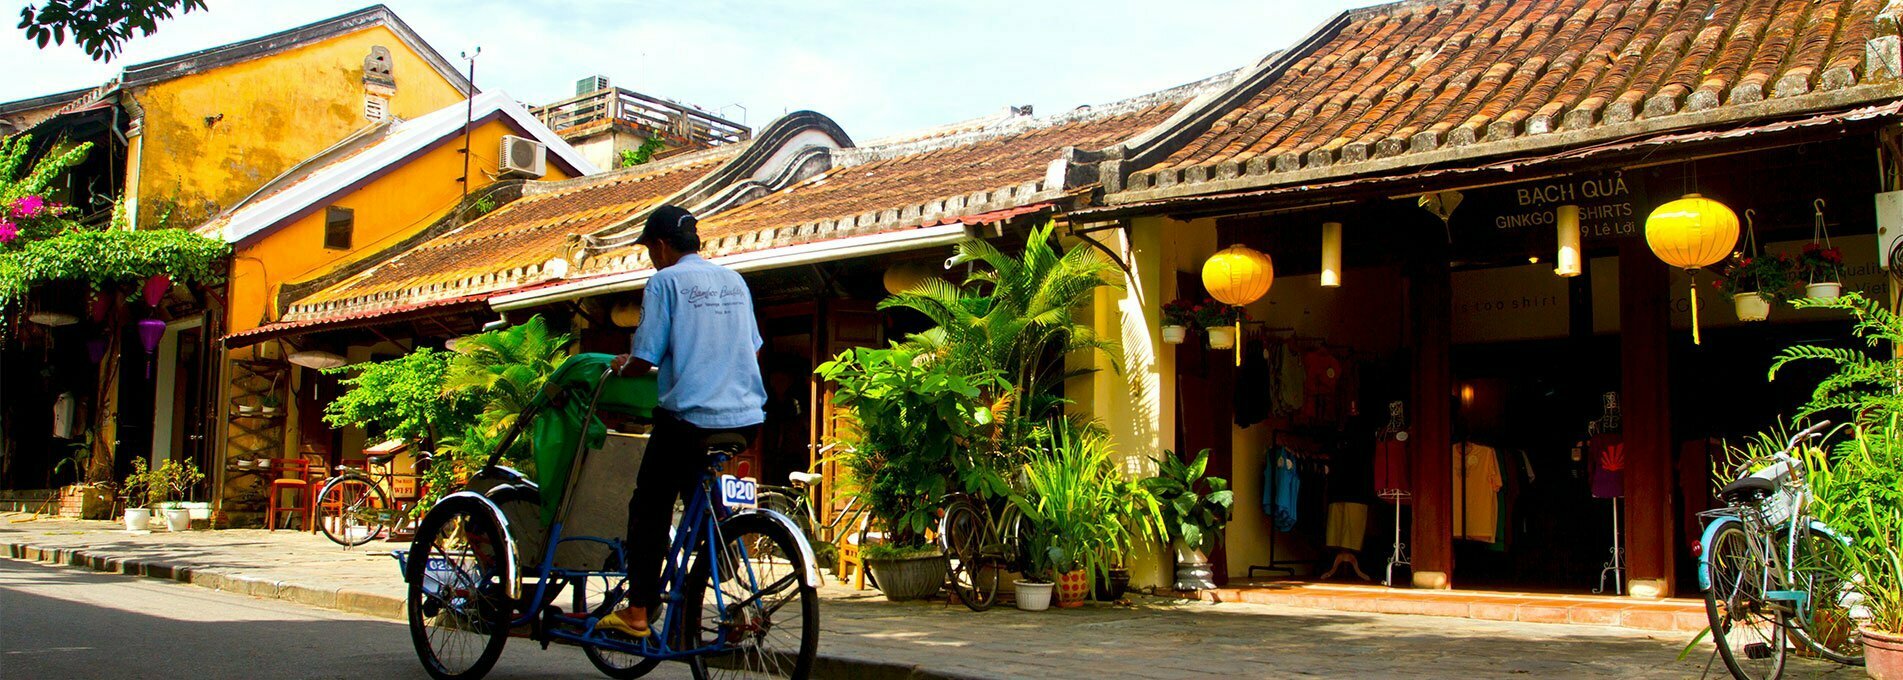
<point>1751,306</point>
<point>1222,338</point>
<point>1829,290</point>
<point>1822,264</point>
<point>1175,335</point>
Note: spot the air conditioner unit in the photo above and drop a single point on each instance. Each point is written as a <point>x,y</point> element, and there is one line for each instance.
<point>523,157</point>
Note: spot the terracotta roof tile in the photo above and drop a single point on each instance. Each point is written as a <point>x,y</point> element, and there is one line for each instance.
<point>1421,75</point>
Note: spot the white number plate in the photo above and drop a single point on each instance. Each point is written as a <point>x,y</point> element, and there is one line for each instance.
<point>738,493</point>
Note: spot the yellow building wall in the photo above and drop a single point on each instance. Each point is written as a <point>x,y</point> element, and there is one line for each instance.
<point>212,138</point>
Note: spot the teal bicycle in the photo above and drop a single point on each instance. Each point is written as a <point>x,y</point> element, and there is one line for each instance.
<point>740,582</point>
<point>1766,568</point>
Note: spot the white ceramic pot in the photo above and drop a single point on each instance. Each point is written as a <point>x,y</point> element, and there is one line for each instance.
<point>178,519</point>
<point>1193,571</point>
<point>1751,306</point>
<point>1174,335</point>
<point>1034,597</point>
<point>1222,338</point>
<point>1828,290</point>
<point>138,519</point>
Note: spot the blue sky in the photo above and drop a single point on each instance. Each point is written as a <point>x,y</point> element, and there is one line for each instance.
<point>879,68</point>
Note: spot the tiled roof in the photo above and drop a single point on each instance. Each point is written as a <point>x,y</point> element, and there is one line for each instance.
<point>508,248</point>
<point>921,177</point>
<point>1419,76</point>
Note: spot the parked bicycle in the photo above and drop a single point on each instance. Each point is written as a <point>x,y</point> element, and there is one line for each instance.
<point>797,501</point>
<point>355,506</point>
<point>739,582</point>
<point>980,547</point>
<point>1765,568</point>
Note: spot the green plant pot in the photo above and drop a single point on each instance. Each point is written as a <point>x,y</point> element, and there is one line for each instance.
<point>910,578</point>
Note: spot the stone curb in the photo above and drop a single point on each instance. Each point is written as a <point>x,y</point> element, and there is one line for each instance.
<point>385,607</point>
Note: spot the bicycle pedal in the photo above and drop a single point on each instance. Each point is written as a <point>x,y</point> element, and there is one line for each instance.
<point>1757,650</point>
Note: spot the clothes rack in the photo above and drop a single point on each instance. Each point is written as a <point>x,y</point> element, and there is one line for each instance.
<point>1274,565</point>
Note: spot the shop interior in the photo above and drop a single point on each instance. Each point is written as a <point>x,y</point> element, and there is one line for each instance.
<point>1317,414</point>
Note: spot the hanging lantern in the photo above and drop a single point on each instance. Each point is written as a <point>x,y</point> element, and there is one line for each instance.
<point>1331,254</point>
<point>150,330</point>
<point>101,305</point>
<point>156,288</point>
<point>96,350</point>
<point>1568,264</point>
<point>1237,276</point>
<point>317,358</point>
<point>905,276</point>
<point>626,314</point>
<point>1691,233</point>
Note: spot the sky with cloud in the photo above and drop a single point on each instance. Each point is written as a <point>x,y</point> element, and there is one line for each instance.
<point>878,68</point>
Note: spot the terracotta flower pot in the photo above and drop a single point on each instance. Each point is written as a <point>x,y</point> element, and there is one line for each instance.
<point>1073,587</point>
<point>1751,306</point>
<point>1883,654</point>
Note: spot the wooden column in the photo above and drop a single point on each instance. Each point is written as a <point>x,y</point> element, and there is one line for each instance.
<point>1430,306</point>
<point>1645,338</point>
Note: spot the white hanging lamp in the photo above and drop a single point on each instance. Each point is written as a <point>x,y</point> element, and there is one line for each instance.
<point>1331,254</point>
<point>1567,264</point>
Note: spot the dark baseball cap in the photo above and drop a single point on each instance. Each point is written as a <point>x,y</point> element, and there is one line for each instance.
<point>670,222</point>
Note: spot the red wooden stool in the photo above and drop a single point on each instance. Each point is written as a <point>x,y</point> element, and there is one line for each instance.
<point>294,475</point>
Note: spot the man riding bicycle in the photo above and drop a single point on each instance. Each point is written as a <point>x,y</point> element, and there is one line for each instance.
<point>697,327</point>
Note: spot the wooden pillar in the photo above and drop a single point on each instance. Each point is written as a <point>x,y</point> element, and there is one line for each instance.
<point>1644,344</point>
<point>1430,306</point>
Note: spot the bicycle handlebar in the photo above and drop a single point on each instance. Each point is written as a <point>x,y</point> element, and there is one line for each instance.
<point>1811,432</point>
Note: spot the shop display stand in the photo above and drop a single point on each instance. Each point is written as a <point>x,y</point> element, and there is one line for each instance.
<point>1275,565</point>
<point>1614,567</point>
<point>1399,557</point>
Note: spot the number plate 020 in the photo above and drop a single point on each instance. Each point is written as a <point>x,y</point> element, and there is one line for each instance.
<point>738,493</point>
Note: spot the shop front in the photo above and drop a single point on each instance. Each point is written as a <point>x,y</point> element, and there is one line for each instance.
<point>1441,390</point>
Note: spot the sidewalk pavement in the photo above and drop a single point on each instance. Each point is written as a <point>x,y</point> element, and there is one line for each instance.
<point>864,636</point>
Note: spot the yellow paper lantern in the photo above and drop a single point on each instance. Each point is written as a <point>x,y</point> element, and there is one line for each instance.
<point>1690,233</point>
<point>905,276</point>
<point>1238,275</point>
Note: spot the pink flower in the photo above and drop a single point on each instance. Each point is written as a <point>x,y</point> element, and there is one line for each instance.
<point>28,206</point>
<point>8,232</point>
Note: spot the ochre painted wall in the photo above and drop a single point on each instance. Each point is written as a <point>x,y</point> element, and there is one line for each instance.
<point>277,110</point>
<point>388,209</point>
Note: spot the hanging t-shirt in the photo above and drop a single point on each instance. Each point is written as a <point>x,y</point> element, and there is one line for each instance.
<point>1607,453</point>
<point>1289,377</point>
<point>1321,384</point>
<point>1281,488</point>
<point>1477,485</point>
<point>1392,469</point>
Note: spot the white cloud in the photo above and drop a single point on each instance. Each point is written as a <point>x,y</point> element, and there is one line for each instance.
<point>877,68</point>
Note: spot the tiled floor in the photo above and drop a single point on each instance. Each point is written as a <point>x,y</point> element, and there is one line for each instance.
<point>1673,614</point>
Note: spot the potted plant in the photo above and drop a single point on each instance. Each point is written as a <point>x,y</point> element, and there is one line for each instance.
<point>1823,270</point>
<point>1219,321</point>
<point>171,483</point>
<point>1178,316</point>
<point>138,515</point>
<point>268,405</point>
<point>1195,509</point>
<point>913,418</point>
<point>1072,502</point>
<point>1754,282</point>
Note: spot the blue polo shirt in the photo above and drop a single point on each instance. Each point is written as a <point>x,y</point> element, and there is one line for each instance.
<point>697,326</point>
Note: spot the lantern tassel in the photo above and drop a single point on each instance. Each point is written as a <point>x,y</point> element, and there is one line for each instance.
<point>1238,341</point>
<point>1694,278</point>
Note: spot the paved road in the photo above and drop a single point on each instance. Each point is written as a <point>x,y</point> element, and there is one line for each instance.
<point>59,622</point>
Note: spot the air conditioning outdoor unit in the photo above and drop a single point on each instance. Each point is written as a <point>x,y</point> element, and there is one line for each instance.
<point>523,157</point>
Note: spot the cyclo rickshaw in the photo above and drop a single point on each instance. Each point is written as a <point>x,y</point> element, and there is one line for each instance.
<point>502,558</point>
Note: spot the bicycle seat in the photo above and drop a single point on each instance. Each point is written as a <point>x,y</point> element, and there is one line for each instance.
<point>727,442</point>
<point>1748,487</point>
<point>803,478</point>
<point>383,459</point>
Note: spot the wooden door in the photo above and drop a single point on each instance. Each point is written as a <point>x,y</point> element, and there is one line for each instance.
<point>848,325</point>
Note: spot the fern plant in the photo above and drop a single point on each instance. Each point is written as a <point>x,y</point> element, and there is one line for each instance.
<point>1861,383</point>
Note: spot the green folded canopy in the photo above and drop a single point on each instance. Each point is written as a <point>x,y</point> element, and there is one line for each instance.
<point>559,409</point>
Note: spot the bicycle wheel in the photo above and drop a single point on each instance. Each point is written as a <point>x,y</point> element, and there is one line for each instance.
<point>458,603</point>
<point>1744,626</point>
<point>599,597</point>
<point>963,533</point>
<point>353,510</point>
<point>1822,623</point>
<point>762,614</point>
<point>792,508</point>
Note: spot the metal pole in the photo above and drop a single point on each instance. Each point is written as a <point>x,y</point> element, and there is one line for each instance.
<point>469,118</point>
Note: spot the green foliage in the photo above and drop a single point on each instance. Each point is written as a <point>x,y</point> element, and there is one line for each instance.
<point>138,485</point>
<point>642,154</point>
<point>78,452</point>
<point>173,481</point>
<point>100,27</point>
<point>1015,318</point>
<point>1772,276</point>
<point>1195,506</point>
<point>103,258</point>
<point>914,419</point>
<point>1860,382</point>
<point>1858,492</point>
<point>506,368</point>
<point>1081,510</point>
<point>403,398</point>
<point>884,551</point>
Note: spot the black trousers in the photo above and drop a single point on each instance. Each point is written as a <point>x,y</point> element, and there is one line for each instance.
<point>676,458</point>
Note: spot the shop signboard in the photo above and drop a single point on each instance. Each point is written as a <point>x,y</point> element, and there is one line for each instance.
<point>1612,205</point>
<point>1509,303</point>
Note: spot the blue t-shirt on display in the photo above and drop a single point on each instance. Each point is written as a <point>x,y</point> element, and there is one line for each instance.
<point>697,326</point>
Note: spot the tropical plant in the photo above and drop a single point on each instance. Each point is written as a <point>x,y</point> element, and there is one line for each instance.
<point>1212,314</point>
<point>1179,312</point>
<point>99,27</point>
<point>1773,276</point>
<point>1860,382</point>
<point>1195,506</point>
<point>79,451</point>
<point>1857,491</point>
<point>1821,264</point>
<point>1077,503</point>
<point>642,154</point>
<point>1015,318</point>
<point>914,422</point>
<point>505,368</point>
<point>405,398</point>
<point>137,488</point>
<point>173,480</point>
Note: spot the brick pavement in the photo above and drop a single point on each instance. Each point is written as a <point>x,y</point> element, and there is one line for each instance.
<point>866,637</point>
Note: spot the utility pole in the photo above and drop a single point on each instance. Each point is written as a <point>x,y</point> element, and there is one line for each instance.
<point>469,118</point>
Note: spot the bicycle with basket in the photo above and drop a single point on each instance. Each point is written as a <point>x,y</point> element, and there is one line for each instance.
<point>492,560</point>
